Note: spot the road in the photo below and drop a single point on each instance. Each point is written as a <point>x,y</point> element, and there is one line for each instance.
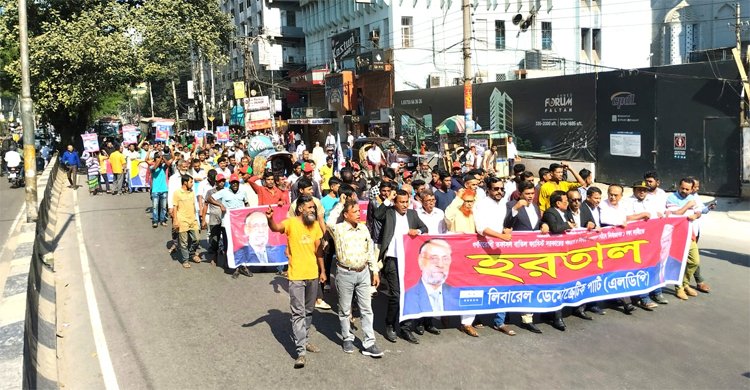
<point>11,201</point>
<point>171,328</point>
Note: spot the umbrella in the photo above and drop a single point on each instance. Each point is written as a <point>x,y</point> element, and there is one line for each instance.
<point>454,124</point>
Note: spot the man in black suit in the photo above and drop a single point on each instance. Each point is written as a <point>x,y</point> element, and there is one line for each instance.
<point>397,220</point>
<point>523,216</point>
<point>581,216</point>
<point>555,217</point>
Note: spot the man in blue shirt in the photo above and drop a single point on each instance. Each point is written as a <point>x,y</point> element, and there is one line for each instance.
<point>332,198</point>
<point>159,190</point>
<point>71,160</point>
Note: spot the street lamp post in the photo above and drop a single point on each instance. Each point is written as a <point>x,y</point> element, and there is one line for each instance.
<point>27,117</point>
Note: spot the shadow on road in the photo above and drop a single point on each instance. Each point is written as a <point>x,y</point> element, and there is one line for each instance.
<point>732,257</point>
<point>280,325</point>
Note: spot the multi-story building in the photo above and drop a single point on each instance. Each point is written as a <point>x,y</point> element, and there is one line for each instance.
<point>267,47</point>
<point>697,30</point>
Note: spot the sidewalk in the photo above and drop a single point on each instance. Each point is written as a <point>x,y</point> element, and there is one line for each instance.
<point>15,260</point>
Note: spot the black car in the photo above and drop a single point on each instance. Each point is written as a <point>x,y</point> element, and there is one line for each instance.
<point>404,154</point>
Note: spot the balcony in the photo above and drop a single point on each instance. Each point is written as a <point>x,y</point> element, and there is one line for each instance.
<point>292,32</point>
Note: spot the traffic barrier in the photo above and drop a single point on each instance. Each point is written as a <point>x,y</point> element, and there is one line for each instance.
<point>40,338</point>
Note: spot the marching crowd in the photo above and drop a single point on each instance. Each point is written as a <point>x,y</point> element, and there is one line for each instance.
<point>194,185</point>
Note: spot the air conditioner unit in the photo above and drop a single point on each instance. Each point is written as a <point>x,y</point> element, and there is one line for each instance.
<point>434,81</point>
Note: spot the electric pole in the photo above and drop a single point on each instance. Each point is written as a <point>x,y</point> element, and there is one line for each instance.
<point>27,116</point>
<point>468,112</point>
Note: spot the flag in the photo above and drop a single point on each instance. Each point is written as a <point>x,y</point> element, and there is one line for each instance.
<point>339,153</point>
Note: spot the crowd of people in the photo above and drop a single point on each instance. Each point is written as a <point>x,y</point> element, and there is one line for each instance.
<point>195,185</point>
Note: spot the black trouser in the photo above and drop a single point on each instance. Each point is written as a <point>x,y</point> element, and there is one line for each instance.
<point>389,275</point>
<point>214,235</point>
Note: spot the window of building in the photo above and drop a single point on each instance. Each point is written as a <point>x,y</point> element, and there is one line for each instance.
<point>500,34</point>
<point>596,42</point>
<point>242,7</point>
<point>585,36</point>
<point>407,39</point>
<point>291,19</point>
<point>546,35</point>
<point>248,3</point>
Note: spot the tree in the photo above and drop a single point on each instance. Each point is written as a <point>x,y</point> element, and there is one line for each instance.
<point>82,51</point>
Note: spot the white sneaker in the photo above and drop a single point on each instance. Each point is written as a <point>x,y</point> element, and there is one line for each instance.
<point>321,304</point>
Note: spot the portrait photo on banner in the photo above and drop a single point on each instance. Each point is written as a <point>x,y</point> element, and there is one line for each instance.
<point>250,241</point>
<point>470,274</point>
<point>139,175</point>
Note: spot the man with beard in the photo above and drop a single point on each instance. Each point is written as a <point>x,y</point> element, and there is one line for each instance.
<point>431,294</point>
<point>307,173</point>
<point>306,269</point>
<point>398,220</point>
<point>375,226</point>
<point>683,203</point>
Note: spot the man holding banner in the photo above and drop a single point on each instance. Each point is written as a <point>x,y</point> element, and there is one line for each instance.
<point>398,220</point>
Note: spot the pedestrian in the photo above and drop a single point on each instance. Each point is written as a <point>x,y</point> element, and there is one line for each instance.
<point>185,222</point>
<point>117,161</point>
<point>356,271</point>
<point>71,161</point>
<point>306,269</point>
<point>92,168</point>
<point>159,191</point>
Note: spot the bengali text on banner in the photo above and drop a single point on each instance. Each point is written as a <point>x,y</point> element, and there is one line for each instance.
<point>539,273</point>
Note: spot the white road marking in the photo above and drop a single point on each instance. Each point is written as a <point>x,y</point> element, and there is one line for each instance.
<point>102,351</point>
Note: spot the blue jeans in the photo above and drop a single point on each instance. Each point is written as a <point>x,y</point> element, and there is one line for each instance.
<point>158,207</point>
<point>499,318</point>
<point>647,297</point>
<point>349,283</point>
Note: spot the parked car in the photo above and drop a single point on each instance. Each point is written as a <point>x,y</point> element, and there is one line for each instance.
<point>404,154</point>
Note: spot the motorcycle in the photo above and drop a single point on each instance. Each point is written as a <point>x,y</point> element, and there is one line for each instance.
<point>15,177</point>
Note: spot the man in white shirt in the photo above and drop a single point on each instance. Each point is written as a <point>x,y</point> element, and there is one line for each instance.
<point>376,158</point>
<point>471,158</point>
<point>489,217</point>
<point>432,216</point>
<point>512,153</point>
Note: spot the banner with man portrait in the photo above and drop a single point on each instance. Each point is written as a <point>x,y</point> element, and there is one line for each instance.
<point>90,142</point>
<point>139,174</point>
<point>250,241</point>
<point>539,273</point>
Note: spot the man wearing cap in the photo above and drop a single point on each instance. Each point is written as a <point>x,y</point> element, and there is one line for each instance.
<point>407,178</point>
<point>640,203</point>
<point>456,177</point>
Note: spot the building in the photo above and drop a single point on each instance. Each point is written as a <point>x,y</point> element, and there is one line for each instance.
<point>268,46</point>
<point>501,111</point>
<point>697,30</point>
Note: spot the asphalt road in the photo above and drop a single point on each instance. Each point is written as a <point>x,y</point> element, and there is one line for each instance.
<point>11,201</point>
<point>171,328</point>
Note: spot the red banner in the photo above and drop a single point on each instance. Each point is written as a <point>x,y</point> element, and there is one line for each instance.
<point>540,273</point>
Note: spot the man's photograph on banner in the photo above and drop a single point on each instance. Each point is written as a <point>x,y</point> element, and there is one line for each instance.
<point>249,240</point>
<point>470,274</point>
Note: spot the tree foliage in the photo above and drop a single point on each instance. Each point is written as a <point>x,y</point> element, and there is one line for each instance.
<point>84,50</point>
